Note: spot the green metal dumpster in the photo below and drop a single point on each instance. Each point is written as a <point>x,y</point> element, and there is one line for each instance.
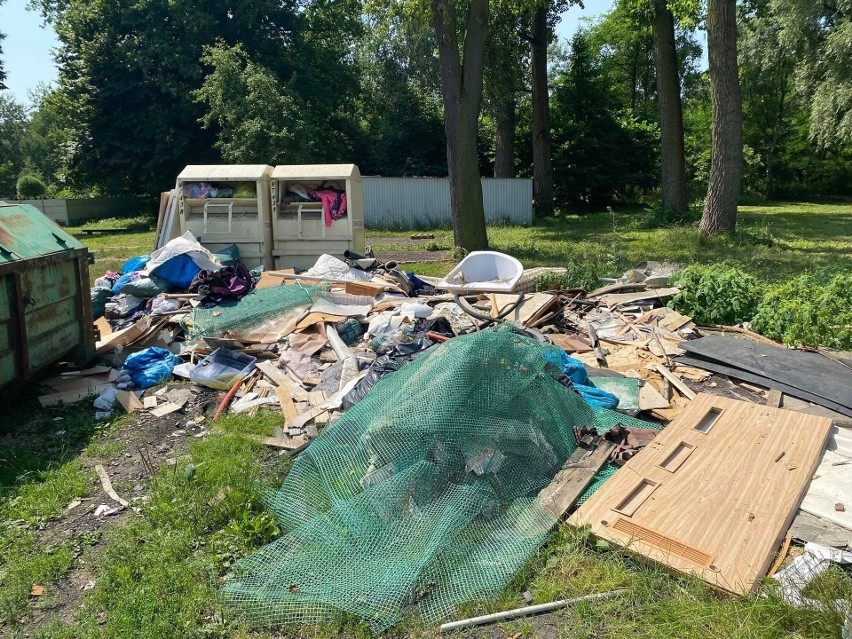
<point>45,307</point>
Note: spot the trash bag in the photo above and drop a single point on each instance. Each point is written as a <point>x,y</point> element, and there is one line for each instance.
<point>228,255</point>
<point>100,295</point>
<point>150,367</point>
<point>228,284</point>
<point>349,330</point>
<point>122,281</point>
<point>146,287</point>
<point>385,365</point>
<point>135,264</point>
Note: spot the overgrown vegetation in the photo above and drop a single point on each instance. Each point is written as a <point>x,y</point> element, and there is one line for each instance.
<point>716,294</point>
<point>812,309</point>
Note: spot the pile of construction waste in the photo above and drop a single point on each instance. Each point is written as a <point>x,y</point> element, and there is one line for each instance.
<point>444,425</point>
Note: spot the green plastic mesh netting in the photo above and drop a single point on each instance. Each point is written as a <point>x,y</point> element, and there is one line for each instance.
<point>422,496</point>
<point>259,311</point>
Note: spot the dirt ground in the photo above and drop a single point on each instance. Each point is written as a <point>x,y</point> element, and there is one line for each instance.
<point>147,443</point>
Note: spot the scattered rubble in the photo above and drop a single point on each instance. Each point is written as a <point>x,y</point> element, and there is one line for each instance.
<point>311,345</point>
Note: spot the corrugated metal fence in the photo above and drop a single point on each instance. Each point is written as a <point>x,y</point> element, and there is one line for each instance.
<point>424,203</point>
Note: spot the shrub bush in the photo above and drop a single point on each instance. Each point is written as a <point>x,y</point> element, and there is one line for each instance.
<point>30,187</point>
<point>716,294</point>
<point>809,310</point>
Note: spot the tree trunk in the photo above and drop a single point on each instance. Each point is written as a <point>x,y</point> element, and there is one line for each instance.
<point>461,85</point>
<point>504,148</point>
<point>777,130</point>
<point>673,161</point>
<point>542,158</point>
<point>720,207</point>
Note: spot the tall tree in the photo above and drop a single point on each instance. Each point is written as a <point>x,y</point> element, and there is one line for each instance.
<point>461,83</point>
<point>128,71</point>
<point>601,153</point>
<point>2,70</point>
<point>504,62</point>
<point>723,190</point>
<point>401,106</point>
<point>13,124</point>
<point>673,158</point>
<point>821,32</point>
<point>541,144</point>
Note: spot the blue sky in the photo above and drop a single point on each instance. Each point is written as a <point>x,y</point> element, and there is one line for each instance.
<point>27,47</point>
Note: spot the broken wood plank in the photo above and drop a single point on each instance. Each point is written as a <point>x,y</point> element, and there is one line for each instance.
<point>281,378</point>
<point>287,443</point>
<point>570,482</point>
<point>288,408</point>
<point>128,401</point>
<point>672,502</point>
<point>107,486</point>
<point>781,554</point>
<point>304,418</point>
<point>675,381</point>
<point>167,409</point>
<point>650,398</point>
<point>774,398</point>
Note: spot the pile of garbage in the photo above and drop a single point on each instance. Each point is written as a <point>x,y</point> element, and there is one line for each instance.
<point>442,427</point>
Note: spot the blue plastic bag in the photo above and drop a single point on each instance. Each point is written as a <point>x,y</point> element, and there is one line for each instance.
<point>178,271</point>
<point>580,379</point>
<point>122,281</point>
<point>135,264</point>
<point>150,367</point>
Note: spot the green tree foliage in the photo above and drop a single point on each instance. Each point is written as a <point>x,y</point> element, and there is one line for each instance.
<point>821,34</point>
<point>401,109</point>
<point>2,70</point>
<point>260,117</point>
<point>127,71</point>
<point>782,158</point>
<point>30,187</point>
<point>13,125</point>
<point>600,152</point>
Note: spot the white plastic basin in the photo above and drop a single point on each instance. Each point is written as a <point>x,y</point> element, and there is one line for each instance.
<point>484,271</point>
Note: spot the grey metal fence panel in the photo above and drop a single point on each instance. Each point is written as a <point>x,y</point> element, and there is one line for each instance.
<point>423,203</point>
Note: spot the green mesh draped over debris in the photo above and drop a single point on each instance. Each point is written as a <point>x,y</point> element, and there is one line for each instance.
<point>259,306</point>
<point>423,495</point>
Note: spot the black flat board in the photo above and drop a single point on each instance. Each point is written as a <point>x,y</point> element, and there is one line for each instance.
<point>805,370</point>
<point>751,378</point>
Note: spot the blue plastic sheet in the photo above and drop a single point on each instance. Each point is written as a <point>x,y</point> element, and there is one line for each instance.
<point>580,379</point>
<point>178,271</point>
<point>150,367</point>
<point>135,264</point>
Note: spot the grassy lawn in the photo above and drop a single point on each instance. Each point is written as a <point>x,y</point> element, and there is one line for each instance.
<point>158,574</point>
<point>773,241</point>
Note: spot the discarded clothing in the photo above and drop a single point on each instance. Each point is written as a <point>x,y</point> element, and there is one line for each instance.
<point>333,203</point>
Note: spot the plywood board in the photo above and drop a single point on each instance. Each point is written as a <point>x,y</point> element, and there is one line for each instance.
<point>714,493</point>
<point>533,306</point>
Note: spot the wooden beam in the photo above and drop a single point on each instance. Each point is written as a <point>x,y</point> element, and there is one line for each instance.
<point>774,397</point>
<point>676,381</point>
<point>570,482</point>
